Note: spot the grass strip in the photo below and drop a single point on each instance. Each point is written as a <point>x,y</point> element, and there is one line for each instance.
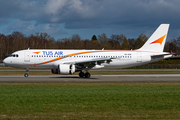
<point>20,71</point>
<point>92,72</point>
<point>89,101</point>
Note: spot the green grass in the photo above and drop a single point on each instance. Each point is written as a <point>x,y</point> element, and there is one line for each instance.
<point>89,101</point>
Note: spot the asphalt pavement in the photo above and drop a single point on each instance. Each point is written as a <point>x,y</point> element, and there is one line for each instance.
<point>93,78</point>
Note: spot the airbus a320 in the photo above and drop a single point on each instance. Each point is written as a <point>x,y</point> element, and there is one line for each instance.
<point>71,61</point>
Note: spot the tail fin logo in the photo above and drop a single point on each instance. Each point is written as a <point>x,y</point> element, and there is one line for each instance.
<point>37,52</point>
<point>160,40</point>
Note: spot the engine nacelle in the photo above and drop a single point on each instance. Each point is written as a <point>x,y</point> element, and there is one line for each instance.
<point>64,69</point>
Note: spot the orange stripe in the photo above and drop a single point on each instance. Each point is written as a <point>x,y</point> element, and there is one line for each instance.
<point>68,56</point>
<point>84,53</point>
<point>78,54</point>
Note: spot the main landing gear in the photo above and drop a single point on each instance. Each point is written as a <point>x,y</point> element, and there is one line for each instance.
<point>86,75</point>
<point>26,74</point>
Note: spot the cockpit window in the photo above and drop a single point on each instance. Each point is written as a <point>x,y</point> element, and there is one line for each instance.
<point>12,55</point>
<point>7,56</point>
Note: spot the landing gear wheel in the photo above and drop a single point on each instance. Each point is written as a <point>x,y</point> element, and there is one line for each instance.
<point>26,75</point>
<point>81,74</point>
<point>87,75</point>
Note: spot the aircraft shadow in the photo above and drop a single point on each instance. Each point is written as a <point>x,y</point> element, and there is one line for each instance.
<point>69,77</point>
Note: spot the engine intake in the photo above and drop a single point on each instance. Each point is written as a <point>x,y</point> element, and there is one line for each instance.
<point>64,69</point>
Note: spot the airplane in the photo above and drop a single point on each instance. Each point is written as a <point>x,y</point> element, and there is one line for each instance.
<point>71,61</point>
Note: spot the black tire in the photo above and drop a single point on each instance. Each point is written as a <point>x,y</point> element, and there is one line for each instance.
<point>87,75</point>
<point>26,75</point>
<point>81,74</point>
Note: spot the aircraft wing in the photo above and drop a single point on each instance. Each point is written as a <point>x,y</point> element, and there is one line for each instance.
<point>91,63</point>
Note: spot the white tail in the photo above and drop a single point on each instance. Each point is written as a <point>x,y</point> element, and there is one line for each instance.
<point>157,40</point>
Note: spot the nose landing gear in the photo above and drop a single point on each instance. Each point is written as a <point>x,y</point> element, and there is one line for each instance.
<point>26,74</point>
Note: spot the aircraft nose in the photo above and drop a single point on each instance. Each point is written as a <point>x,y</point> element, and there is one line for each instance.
<point>5,61</point>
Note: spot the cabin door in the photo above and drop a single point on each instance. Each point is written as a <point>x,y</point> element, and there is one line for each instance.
<point>139,57</point>
<point>26,56</point>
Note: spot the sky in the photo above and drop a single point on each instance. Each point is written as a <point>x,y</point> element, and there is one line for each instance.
<point>63,18</point>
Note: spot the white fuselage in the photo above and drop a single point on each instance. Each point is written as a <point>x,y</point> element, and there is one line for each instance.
<point>37,58</point>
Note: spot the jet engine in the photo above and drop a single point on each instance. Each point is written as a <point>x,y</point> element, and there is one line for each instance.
<point>64,69</point>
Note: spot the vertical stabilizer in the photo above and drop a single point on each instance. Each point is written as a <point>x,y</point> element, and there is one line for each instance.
<point>157,40</point>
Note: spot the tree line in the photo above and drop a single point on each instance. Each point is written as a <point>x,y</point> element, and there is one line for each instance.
<point>19,41</point>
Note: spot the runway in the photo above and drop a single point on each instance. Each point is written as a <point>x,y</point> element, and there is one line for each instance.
<point>94,78</point>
